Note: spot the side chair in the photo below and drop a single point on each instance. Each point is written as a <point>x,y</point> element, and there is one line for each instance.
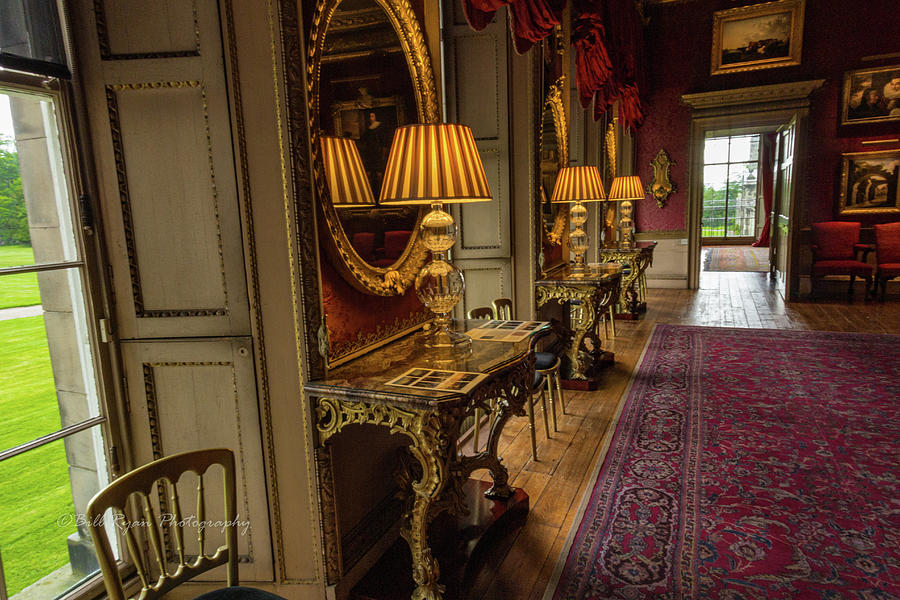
<point>887,255</point>
<point>163,556</point>
<point>480,312</point>
<point>836,251</point>
<point>503,309</point>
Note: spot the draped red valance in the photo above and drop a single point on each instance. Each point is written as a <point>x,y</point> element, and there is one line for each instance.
<point>530,21</point>
<point>608,40</point>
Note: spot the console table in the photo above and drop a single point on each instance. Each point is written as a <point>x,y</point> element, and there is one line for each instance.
<point>357,393</point>
<point>596,290</point>
<point>635,258</point>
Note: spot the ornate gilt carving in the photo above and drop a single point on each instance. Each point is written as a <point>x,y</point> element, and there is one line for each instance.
<point>638,260</point>
<point>660,187</point>
<point>395,279</point>
<point>556,106</point>
<point>593,299</point>
<point>432,472</point>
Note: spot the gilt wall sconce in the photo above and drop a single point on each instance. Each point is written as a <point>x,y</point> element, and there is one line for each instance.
<point>661,187</point>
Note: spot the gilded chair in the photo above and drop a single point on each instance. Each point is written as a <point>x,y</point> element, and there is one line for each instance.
<point>481,312</point>
<point>156,539</point>
<point>887,255</point>
<point>503,309</point>
<point>836,251</point>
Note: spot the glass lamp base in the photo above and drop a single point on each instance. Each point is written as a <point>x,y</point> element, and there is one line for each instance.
<point>444,339</point>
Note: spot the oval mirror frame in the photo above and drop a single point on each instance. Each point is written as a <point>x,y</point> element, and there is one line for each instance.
<point>394,279</point>
<point>553,233</point>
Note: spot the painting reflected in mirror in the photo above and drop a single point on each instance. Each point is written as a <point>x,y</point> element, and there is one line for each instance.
<point>365,93</point>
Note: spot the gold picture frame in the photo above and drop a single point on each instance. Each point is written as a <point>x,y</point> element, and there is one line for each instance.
<point>871,96</point>
<point>759,36</point>
<point>869,183</point>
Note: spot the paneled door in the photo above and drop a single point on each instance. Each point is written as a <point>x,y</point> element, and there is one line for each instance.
<point>477,97</point>
<point>158,110</point>
<point>782,206</point>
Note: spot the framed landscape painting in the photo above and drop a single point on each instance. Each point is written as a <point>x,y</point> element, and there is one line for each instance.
<point>759,36</point>
<point>869,183</point>
<point>871,96</point>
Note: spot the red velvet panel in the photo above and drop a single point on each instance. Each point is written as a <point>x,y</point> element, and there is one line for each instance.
<point>887,243</point>
<point>841,267</point>
<point>353,317</point>
<point>835,240</point>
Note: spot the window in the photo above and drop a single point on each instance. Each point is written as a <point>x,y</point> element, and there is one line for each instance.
<point>730,192</point>
<point>52,433</point>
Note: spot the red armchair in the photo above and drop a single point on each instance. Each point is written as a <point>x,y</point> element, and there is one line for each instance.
<point>887,254</point>
<point>836,250</point>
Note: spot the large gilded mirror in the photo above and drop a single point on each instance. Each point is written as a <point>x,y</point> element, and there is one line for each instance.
<point>554,155</point>
<point>369,73</point>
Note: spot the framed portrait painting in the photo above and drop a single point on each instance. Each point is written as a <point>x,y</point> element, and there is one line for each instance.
<point>759,36</point>
<point>871,96</point>
<point>869,183</point>
<point>371,122</point>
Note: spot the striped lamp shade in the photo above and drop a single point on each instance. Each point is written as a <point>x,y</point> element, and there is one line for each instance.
<point>578,184</point>
<point>344,172</point>
<point>434,163</point>
<point>626,188</point>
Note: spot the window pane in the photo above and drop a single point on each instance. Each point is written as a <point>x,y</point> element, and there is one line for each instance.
<point>744,148</point>
<point>715,151</point>
<point>715,179</point>
<point>742,199</point>
<point>30,29</point>
<point>46,374</point>
<point>35,213</point>
<point>40,542</point>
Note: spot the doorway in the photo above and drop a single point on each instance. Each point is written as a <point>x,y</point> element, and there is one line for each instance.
<point>781,108</point>
<point>737,188</point>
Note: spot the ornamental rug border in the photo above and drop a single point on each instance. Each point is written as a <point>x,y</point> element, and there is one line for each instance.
<point>746,464</point>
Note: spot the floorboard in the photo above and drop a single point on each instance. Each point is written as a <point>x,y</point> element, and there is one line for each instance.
<point>559,479</point>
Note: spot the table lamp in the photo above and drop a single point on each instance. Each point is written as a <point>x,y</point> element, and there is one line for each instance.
<point>578,184</point>
<point>624,190</point>
<point>348,185</point>
<point>436,164</point>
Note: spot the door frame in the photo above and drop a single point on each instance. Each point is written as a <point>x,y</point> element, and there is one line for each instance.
<point>757,109</point>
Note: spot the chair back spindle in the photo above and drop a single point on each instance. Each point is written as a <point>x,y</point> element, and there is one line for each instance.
<point>157,539</point>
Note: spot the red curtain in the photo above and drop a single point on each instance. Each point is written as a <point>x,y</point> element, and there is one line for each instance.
<point>768,165</point>
<point>608,39</point>
<point>530,21</point>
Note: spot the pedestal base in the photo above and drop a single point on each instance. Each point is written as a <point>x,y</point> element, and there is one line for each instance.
<point>466,548</point>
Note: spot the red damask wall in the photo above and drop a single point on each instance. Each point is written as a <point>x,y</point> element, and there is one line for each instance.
<point>837,35</point>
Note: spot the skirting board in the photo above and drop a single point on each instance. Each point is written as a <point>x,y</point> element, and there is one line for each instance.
<point>674,282</point>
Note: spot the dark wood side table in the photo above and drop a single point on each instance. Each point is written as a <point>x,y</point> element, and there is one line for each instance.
<point>595,292</point>
<point>635,258</point>
<point>356,393</point>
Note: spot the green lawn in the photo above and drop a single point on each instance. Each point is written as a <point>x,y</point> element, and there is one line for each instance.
<point>20,289</point>
<point>34,487</point>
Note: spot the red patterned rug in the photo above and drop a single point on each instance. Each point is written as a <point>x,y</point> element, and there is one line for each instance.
<point>736,258</point>
<point>747,464</point>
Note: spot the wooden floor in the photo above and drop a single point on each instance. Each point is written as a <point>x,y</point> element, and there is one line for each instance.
<point>558,480</point>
